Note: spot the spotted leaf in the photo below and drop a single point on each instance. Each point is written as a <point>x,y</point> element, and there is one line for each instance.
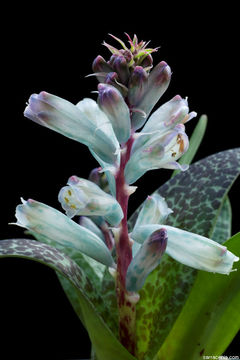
<point>214,305</point>
<point>196,198</point>
<point>104,342</point>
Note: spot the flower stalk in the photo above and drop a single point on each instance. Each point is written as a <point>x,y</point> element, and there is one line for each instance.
<point>126,300</point>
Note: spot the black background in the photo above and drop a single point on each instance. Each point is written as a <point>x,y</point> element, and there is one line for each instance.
<point>52,50</point>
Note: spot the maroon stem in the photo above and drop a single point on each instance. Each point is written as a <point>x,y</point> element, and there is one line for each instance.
<point>124,256</point>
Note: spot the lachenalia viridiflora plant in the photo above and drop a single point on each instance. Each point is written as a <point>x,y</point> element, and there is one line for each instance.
<point>127,139</point>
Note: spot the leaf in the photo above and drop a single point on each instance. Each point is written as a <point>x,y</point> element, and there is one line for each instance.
<point>210,318</point>
<point>196,197</point>
<point>104,342</point>
<point>194,142</point>
<point>95,272</point>
<point>223,227</point>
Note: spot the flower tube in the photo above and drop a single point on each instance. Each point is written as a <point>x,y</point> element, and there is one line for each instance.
<point>51,223</point>
<point>191,249</point>
<point>85,124</point>
<point>158,152</point>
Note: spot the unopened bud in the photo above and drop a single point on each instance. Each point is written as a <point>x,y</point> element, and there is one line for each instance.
<point>146,260</point>
<point>99,178</point>
<point>112,103</point>
<point>100,65</point>
<point>147,62</point>
<point>121,67</point>
<point>158,81</point>
<point>137,85</point>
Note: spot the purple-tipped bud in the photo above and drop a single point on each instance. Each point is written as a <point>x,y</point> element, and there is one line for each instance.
<point>147,62</point>
<point>158,81</point>
<point>112,103</point>
<point>99,178</point>
<point>113,79</point>
<point>146,260</point>
<point>121,67</point>
<point>100,65</point>
<point>137,85</point>
<point>94,175</point>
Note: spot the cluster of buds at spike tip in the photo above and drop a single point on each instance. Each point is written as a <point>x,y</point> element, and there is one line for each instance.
<point>129,70</point>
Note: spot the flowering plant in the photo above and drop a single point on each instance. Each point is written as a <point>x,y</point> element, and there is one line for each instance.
<point>133,282</point>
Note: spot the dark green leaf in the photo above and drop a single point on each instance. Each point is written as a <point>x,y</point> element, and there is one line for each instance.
<point>95,272</point>
<point>106,346</point>
<point>210,318</point>
<point>223,227</point>
<point>196,197</point>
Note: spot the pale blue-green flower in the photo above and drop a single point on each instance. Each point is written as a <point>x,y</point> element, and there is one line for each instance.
<point>83,197</point>
<point>84,122</point>
<point>191,249</point>
<point>46,221</point>
<point>188,248</point>
<point>158,151</point>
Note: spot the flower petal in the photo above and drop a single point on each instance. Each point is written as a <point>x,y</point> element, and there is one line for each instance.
<point>191,249</point>
<point>51,223</point>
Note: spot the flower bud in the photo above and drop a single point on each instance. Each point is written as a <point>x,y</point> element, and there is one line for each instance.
<point>121,67</point>
<point>158,81</point>
<point>101,66</point>
<point>147,62</point>
<point>137,85</point>
<point>112,103</point>
<point>146,260</point>
<point>83,197</point>
<point>99,178</point>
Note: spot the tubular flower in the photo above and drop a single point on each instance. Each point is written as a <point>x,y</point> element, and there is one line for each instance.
<point>158,151</point>
<point>188,248</point>
<point>52,224</point>
<point>83,197</point>
<point>191,249</point>
<point>85,122</point>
